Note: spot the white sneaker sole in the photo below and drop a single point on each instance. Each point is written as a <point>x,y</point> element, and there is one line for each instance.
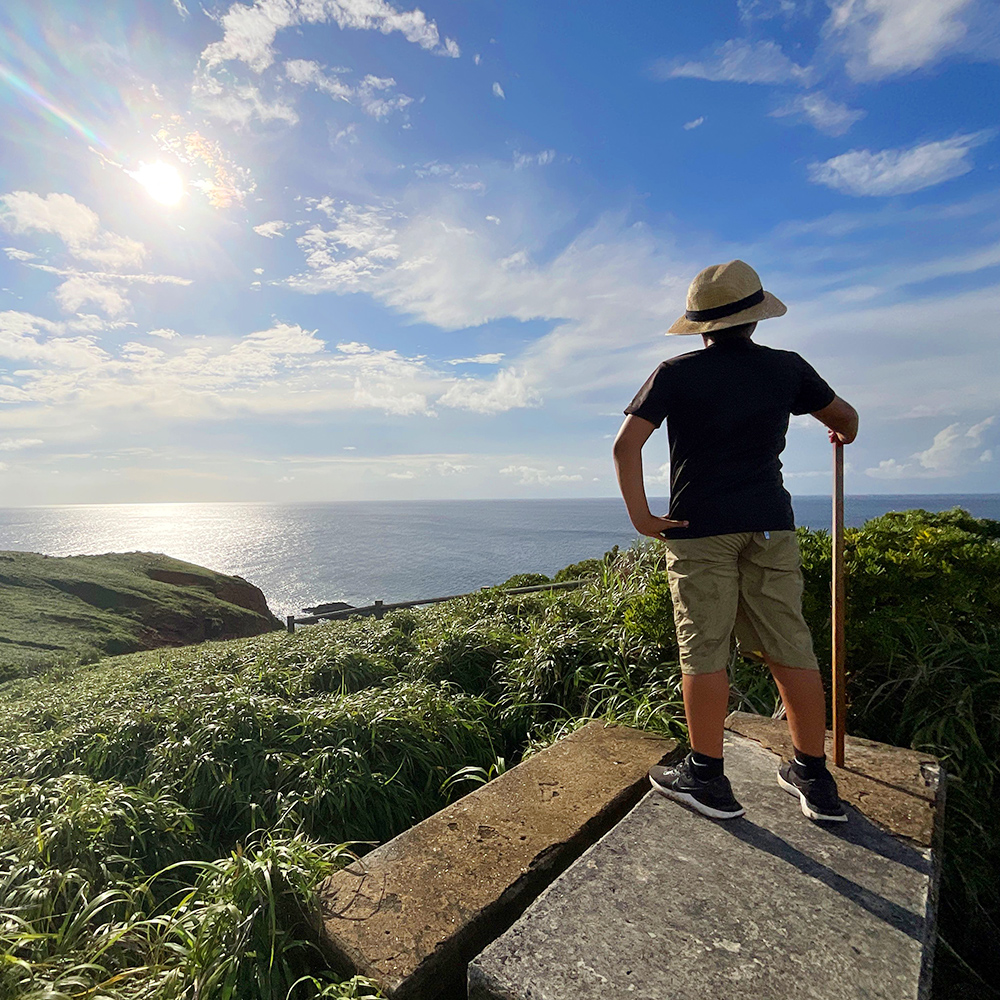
<point>690,800</point>
<point>807,810</point>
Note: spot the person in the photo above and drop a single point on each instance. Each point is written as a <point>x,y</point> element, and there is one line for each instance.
<point>733,561</point>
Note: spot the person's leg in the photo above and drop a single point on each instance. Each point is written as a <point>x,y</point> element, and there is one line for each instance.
<point>704,588</point>
<point>805,704</point>
<point>770,628</point>
<point>706,704</point>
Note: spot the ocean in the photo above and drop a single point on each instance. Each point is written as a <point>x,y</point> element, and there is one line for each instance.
<point>308,553</point>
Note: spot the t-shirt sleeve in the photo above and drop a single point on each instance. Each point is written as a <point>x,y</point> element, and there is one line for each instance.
<point>813,392</point>
<point>652,401</point>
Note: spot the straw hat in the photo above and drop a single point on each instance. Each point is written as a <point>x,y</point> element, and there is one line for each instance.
<point>725,295</point>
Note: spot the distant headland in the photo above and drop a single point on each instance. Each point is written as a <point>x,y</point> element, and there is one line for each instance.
<point>83,607</point>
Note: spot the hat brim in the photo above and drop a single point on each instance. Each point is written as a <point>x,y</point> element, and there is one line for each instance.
<point>770,308</point>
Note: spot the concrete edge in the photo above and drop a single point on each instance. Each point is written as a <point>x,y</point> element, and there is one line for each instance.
<point>934,888</point>
<point>499,916</point>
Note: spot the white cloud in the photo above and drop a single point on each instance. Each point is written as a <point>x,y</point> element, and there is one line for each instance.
<point>532,475</point>
<point>882,38</point>
<point>18,444</point>
<point>238,103</point>
<point>542,159</point>
<point>79,289</point>
<point>76,225</point>
<point>348,135</point>
<point>766,10</point>
<point>498,91</point>
<point>953,452</point>
<point>165,333</point>
<point>477,59</point>
<point>24,337</point>
<point>249,32</point>
<point>271,229</point>
<point>181,9</point>
<point>281,339</point>
<point>371,95</point>
<point>739,61</point>
<point>374,99</point>
<point>305,72</point>
<point>105,289</point>
<point>694,124</point>
<point>479,359</point>
<point>14,254</point>
<point>507,390</point>
<point>360,244</point>
<point>898,171</point>
<point>817,109</point>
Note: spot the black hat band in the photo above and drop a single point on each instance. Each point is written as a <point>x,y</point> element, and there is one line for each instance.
<point>720,312</point>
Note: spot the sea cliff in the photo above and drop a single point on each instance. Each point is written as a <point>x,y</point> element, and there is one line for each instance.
<point>87,606</point>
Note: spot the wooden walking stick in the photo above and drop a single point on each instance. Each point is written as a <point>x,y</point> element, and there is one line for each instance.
<point>839,599</point>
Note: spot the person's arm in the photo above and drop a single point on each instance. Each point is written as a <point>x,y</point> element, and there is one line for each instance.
<point>841,419</point>
<point>627,452</point>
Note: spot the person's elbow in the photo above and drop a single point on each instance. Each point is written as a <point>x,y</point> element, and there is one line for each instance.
<point>841,417</point>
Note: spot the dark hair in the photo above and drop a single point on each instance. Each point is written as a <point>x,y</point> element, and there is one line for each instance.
<point>732,332</point>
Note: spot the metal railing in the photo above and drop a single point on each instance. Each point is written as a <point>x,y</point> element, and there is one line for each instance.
<point>380,608</point>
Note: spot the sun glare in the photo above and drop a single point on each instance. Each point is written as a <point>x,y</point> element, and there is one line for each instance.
<point>162,181</point>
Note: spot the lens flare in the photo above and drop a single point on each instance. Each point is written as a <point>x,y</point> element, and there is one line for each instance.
<point>162,181</point>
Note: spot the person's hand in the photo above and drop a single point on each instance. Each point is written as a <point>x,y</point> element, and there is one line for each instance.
<point>837,438</point>
<point>653,526</point>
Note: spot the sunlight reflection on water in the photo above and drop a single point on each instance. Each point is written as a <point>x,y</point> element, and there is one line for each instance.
<point>302,554</point>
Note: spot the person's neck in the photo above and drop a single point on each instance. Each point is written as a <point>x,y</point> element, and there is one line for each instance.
<point>710,341</point>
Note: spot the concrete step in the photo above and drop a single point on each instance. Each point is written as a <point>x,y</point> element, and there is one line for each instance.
<point>670,905</point>
<point>413,912</point>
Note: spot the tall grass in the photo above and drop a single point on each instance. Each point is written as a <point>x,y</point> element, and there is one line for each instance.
<point>165,816</point>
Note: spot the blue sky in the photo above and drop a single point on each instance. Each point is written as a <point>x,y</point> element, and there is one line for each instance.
<point>346,249</point>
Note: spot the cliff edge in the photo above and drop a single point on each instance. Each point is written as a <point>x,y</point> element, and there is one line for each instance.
<point>119,602</point>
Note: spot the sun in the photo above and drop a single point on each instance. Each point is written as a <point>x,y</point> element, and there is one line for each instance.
<point>162,181</point>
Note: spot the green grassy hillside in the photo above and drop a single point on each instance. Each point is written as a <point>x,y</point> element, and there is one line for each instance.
<point>82,607</point>
<point>164,815</point>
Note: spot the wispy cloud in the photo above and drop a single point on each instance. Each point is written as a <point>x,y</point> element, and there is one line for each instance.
<point>371,95</point>
<point>249,32</point>
<point>271,229</point>
<point>479,359</point>
<point>882,38</point>
<point>239,103</point>
<point>79,228</point>
<point>820,111</point>
<point>898,171</point>
<point>18,444</point>
<point>695,123</point>
<point>739,61</point>
<point>507,390</point>
<point>542,159</point>
<point>766,10</point>
<point>76,225</point>
<point>498,91</point>
<point>956,450</point>
<point>528,474</point>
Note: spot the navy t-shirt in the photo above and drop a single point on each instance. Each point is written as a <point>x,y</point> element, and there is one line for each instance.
<point>727,409</point>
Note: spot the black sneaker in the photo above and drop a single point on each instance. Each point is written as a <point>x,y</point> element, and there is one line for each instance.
<point>711,798</point>
<point>818,796</point>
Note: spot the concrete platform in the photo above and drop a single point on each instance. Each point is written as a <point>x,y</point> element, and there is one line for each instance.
<point>413,912</point>
<point>670,905</point>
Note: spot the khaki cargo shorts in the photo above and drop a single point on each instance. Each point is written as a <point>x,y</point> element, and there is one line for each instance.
<point>748,583</point>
